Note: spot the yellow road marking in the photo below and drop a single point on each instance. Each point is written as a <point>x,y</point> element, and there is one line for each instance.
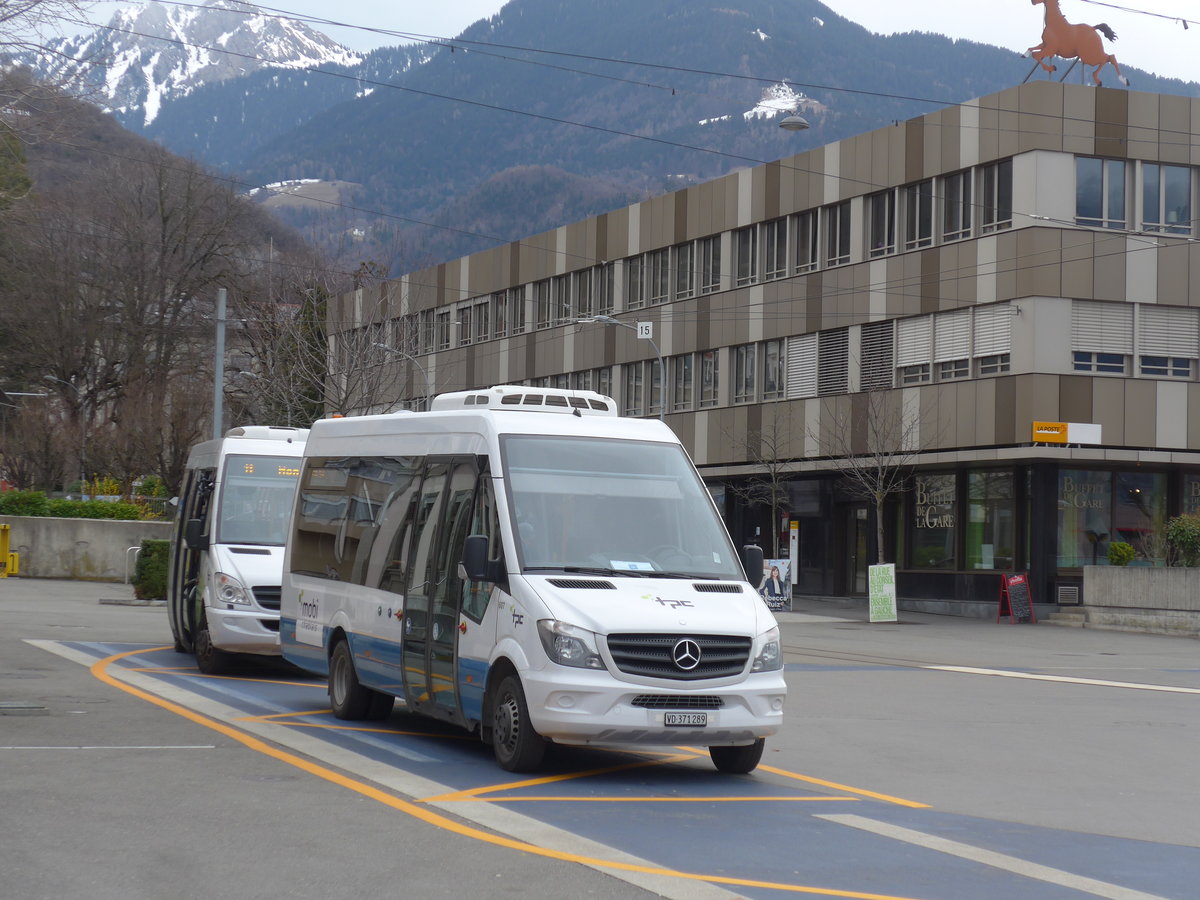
<point>99,670</point>
<point>551,799</point>
<point>833,785</point>
<point>471,793</point>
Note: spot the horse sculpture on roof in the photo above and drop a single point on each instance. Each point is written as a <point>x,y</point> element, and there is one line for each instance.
<point>1062,38</point>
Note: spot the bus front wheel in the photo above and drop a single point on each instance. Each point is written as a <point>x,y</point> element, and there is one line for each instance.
<point>517,746</point>
<point>209,659</point>
<point>737,760</point>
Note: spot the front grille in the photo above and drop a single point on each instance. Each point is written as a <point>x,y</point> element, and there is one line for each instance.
<point>721,656</point>
<point>722,587</point>
<point>270,624</point>
<point>268,597</point>
<point>594,584</point>
<point>668,701</point>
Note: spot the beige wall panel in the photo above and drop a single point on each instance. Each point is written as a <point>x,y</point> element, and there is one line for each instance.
<point>1112,114</point>
<point>1075,398</point>
<point>857,165</point>
<point>984,411</point>
<point>1041,116</point>
<point>1141,406</point>
<point>1079,122</point>
<point>1078,264</point>
<point>1172,418</point>
<point>1005,281</point>
<point>1193,416</point>
<point>758,193</point>
<point>1175,121</point>
<point>1039,271</point>
<point>1143,121</point>
<point>1008,120</point>
<point>787,185</point>
<point>1173,268</point>
<point>1035,400</point>
<point>1006,410</point>
<point>951,121</point>
<point>987,132</point>
<point>1109,281</point>
<point>1108,409</point>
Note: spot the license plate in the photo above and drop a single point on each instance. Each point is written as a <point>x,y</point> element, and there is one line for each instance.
<point>691,720</point>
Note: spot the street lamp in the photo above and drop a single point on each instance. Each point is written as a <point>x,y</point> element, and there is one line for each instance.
<point>644,331</point>
<point>415,362</point>
<point>82,430</point>
<point>793,123</point>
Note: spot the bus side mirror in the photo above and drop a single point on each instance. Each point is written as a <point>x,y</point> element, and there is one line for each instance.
<point>752,562</point>
<point>476,563</point>
<point>193,535</point>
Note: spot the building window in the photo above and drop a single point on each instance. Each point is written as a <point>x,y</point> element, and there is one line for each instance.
<point>804,227</point>
<point>483,325</point>
<point>634,389</point>
<point>837,234</point>
<point>635,282</point>
<point>1167,199</point>
<point>833,362</point>
<point>685,270</point>
<point>709,374</point>
<point>745,248</point>
<point>543,310</point>
<point>997,196</point>
<point>499,303</point>
<point>516,310</point>
<point>604,288</point>
<point>654,395</point>
<point>774,236</point>
<point>744,373</point>
<point>956,211</point>
<point>583,293</point>
<point>428,331</point>
<point>991,520</point>
<point>918,215</point>
<point>878,351</point>
<point>881,212</point>
<point>774,369</point>
<point>465,330</point>
<point>1100,192</point>
<point>682,382</point>
<point>710,264</point>
<point>560,296</point>
<point>993,364</point>
<point>953,368</point>
<point>916,374</point>
<point>1166,366</point>
<point>1107,363</point>
<point>442,330</point>
<point>658,276</point>
<point>935,517</point>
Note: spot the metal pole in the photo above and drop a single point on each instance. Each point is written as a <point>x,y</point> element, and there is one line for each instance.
<point>662,366</point>
<point>219,366</point>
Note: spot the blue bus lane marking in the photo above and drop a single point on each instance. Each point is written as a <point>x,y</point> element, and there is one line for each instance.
<point>670,806</point>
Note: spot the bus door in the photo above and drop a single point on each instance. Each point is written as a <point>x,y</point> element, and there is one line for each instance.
<point>194,503</point>
<point>434,596</point>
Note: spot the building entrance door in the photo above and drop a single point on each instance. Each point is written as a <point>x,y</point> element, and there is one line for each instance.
<point>855,549</point>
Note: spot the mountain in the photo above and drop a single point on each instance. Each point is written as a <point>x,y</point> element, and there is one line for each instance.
<point>428,152</point>
<point>149,56</point>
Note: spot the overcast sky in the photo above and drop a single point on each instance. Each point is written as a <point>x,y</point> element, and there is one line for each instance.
<point>1159,45</point>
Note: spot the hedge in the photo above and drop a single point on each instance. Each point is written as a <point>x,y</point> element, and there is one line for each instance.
<point>150,572</point>
<point>36,503</point>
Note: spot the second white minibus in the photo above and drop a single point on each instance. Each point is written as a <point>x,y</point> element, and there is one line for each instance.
<point>226,561</point>
<point>525,563</point>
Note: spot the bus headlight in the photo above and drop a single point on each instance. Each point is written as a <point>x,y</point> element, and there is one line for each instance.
<point>569,645</point>
<point>230,590</point>
<point>769,658</point>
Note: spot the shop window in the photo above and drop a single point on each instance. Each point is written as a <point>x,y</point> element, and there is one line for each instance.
<point>1190,501</point>
<point>1166,366</point>
<point>1103,363</point>
<point>1167,199</point>
<point>934,521</point>
<point>991,520</point>
<point>1140,515</point>
<point>1100,192</point>
<point>1084,517</point>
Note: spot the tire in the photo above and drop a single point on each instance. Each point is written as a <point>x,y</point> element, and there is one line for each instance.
<point>209,659</point>
<point>737,760</point>
<point>518,748</point>
<point>348,698</point>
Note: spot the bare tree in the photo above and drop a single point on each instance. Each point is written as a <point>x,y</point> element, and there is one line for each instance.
<point>872,438</point>
<point>29,25</point>
<point>768,449</point>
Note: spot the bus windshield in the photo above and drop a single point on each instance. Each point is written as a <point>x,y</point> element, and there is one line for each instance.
<point>256,499</point>
<point>613,506</point>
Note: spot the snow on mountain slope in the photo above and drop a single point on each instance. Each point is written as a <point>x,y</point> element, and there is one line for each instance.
<point>151,53</point>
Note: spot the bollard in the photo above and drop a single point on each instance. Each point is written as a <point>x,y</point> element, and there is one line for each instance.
<point>4,554</point>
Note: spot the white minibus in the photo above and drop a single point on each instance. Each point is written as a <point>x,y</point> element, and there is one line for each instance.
<point>226,558</point>
<point>527,564</point>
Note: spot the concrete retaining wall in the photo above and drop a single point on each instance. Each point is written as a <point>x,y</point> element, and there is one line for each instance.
<point>83,549</point>
<point>1142,598</point>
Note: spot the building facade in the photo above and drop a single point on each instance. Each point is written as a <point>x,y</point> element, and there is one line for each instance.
<point>929,290</point>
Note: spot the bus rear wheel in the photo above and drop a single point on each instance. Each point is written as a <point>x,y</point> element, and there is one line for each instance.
<point>518,748</point>
<point>347,696</point>
<point>737,760</point>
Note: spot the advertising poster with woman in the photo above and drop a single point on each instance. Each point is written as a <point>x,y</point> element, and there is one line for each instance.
<point>776,585</point>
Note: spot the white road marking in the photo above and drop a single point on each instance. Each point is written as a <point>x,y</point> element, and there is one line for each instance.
<point>991,858</point>
<point>105,747</point>
<point>1064,679</point>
